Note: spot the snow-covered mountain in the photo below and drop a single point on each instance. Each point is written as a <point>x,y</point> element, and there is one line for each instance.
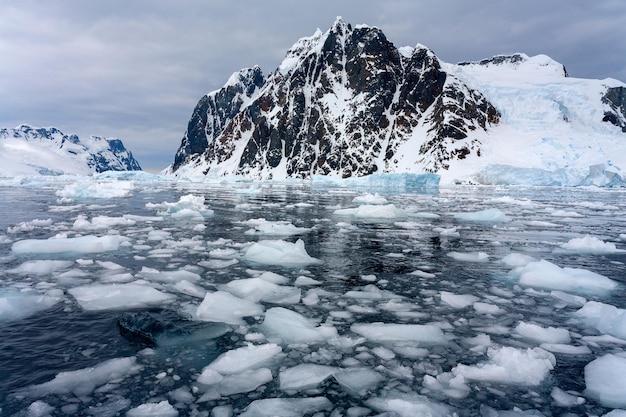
<point>347,102</point>
<point>28,150</point>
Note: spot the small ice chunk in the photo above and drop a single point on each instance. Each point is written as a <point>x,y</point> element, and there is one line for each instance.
<point>61,244</point>
<point>469,256</point>
<point>590,244</point>
<point>305,376</point>
<point>566,349</point>
<point>492,215</point>
<point>287,407</point>
<point>457,301</point>
<point>258,289</point>
<point>246,381</point>
<point>570,299</point>
<point>409,405</point>
<point>303,281</point>
<point>19,305</point>
<point>509,365</point>
<point>372,211</point>
<point>169,276</point>
<point>40,267</point>
<point>89,189</point>
<point>390,332</point>
<point>187,206</point>
<point>543,334</point>
<point>358,381</point>
<point>222,306</point>
<point>601,376</point>
<point>544,274</point>
<point>606,318</point>
<point>274,228</point>
<point>98,297</point>
<point>486,308</point>
<point>38,409</point>
<point>241,359</point>
<point>279,252</point>
<point>375,199</point>
<point>293,327</point>
<point>83,382</point>
<point>161,409</point>
<point>514,260</point>
<point>564,399</point>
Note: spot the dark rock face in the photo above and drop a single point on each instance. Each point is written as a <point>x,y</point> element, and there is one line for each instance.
<point>615,100</point>
<point>341,103</point>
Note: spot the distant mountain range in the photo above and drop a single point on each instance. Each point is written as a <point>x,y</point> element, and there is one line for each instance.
<point>27,150</point>
<point>348,103</point>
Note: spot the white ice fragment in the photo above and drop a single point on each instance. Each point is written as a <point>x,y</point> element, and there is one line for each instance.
<point>606,318</point>
<point>544,274</point>
<point>19,305</point>
<point>491,215</point>
<point>40,267</point>
<point>287,407</point>
<point>98,297</point>
<point>222,306</point>
<point>303,281</point>
<point>83,382</point>
<point>161,409</point>
<point>101,222</point>
<point>573,300</point>
<point>96,189</point>
<point>601,377</point>
<point>246,381</point>
<point>375,199</point>
<point>450,385</point>
<point>241,359</point>
<point>390,332</point>
<point>517,259</point>
<point>292,327</point>
<point>509,365</point>
<point>77,245</point>
<point>279,252</point>
<point>486,308</point>
<point>305,376</point>
<point>566,349</point>
<point>257,289</point>
<point>372,212</point>
<point>409,405</point>
<point>543,334</point>
<point>469,256</point>
<point>274,228</point>
<point>564,399</point>
<point>169,276</point>
<point>358,381</point>
<point>590,244</point>
<point>187,207</point>
<point>29,226</point>
<point>457,301</point>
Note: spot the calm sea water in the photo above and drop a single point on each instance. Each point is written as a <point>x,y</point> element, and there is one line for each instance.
<point>354,253</point>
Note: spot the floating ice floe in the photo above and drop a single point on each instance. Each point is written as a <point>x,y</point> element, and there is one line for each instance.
<point>590,244</point>
<point>258,289</point>
<point>544,274</point>
<point>19,305</point>
<point>605,318</point>
<point>274,228</point>
<point>62,244</point>
<point>542,334</point>
<point>602,379</point>
<point>83,382</point>
<point>187,206</point>
<point>517,259</point>
<point>82,190</point>
<point>240,360</point>
<point>373,199</point>
<point>287,407</point>
<point>160,409</point>
<point>391,332</point>
<point>29,226</point>
<point>409,405</point>
<point>492,215</point>
<point>458,301</point>
<point>118,296</point>
<point>279,252</point>
<point>222,306</point>
<point>40,267</point>
<point>291,327</point>
<point>469,256</point>
<point>372,211</point>
<point>101,222</point>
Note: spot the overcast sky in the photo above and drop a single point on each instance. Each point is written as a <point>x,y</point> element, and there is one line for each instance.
<point>135,69</point>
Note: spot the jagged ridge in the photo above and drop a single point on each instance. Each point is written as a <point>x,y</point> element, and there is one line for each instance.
<point>341,103</point>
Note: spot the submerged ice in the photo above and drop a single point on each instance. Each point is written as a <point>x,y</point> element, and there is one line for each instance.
<point>314,299</point>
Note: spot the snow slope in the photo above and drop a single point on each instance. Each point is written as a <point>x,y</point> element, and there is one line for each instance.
<point>27,150</point>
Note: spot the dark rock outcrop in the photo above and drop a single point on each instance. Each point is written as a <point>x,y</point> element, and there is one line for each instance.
<point>615,102</point>
<point>341,103</point>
